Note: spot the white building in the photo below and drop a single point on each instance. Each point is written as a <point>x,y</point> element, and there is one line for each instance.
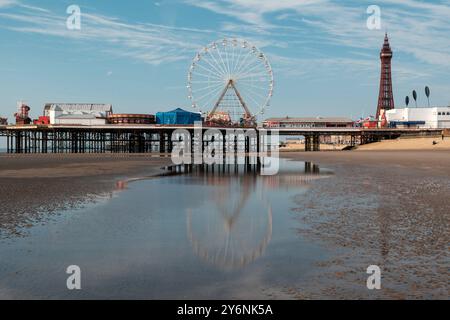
<point>78,114</point>
<point>424,118</point>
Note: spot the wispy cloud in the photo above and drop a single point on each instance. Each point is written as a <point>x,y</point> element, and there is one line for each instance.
<point>150,43</point>
<point>417,28</point>
<point>7,3</point>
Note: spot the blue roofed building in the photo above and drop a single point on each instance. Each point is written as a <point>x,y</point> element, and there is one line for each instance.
<point>178,116</point>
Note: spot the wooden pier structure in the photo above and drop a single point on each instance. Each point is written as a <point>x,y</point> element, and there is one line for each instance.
<point>158,139</point>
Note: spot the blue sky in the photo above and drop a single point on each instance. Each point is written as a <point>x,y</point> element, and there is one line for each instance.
<point>136,54</point>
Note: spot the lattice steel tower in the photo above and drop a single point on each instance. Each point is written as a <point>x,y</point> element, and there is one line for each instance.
<point>386,97</point>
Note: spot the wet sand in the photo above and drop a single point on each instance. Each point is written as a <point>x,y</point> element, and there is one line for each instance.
<point>300,147</point>
<point>31,186</point>
<point>390,209</point>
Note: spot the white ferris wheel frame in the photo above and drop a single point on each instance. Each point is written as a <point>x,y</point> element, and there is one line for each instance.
<point>219,72</point>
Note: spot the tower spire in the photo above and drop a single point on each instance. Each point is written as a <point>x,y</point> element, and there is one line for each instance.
<point>386,96</point>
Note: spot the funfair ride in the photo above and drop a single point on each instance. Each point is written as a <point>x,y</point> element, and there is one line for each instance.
<point>230,82</point>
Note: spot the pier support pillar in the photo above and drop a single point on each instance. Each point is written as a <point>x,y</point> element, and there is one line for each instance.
<point>308,143</point>
<point>162,142</point>
<point>312,143</point>
<point>316,143</point>
<point>18,142</point>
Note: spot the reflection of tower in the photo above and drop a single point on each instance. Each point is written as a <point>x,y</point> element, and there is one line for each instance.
<point>386,97</point>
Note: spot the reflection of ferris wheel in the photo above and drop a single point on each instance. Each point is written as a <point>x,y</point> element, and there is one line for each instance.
<point>235,234</point>
<point>232,78</point>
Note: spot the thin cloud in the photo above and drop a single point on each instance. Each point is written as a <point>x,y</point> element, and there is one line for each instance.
<point>150,43</point>
<point>417,28</point>
<point>7,3</point>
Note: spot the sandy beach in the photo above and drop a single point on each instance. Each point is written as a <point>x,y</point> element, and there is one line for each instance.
<point>401,144</point>
<point>391,209</point>
<point>435,143</point>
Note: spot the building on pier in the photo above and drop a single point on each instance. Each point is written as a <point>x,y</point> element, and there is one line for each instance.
<point>308,123</point>
<point>77,113</point>
<point>22,114</point>
<point>422,118</point>
<point>178,117</point>
<point>78,119</point>
<point>131,118</point>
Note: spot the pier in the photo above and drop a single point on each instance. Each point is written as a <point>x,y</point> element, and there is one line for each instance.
<point>158,139</point>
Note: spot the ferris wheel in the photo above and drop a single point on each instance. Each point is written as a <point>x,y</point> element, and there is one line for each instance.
<point>230,80</point>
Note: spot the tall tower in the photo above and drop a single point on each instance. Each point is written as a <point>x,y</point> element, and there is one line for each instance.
<point>386,97</point>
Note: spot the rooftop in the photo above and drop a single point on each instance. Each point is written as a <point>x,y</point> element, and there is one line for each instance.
<point>87,107</point>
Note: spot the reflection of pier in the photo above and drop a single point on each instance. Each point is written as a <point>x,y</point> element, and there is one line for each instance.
<point>311,168</point>
<point>153,138</point>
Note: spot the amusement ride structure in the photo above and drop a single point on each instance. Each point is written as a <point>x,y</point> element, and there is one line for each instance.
<point>231,82</point>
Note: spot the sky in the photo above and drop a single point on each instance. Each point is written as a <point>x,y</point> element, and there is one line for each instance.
<point>136,54</point>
